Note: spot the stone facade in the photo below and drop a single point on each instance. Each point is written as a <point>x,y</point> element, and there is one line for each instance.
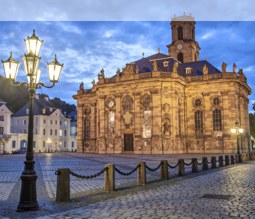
<point>165,104</point>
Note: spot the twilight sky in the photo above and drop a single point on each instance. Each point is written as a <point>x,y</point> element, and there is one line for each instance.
<point>120,36</point>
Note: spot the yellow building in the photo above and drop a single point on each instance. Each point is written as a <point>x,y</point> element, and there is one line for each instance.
<point>165,104</point>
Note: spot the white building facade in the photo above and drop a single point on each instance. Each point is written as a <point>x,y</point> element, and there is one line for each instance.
<point>52,129</point>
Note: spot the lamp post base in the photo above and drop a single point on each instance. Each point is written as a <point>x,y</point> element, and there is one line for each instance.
<point>28,197</point>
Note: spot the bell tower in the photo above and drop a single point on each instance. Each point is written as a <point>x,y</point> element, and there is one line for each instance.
<point>184,47</point>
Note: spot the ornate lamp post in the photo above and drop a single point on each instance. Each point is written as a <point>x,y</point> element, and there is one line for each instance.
<point>237,130</point>
<point>31,60</point>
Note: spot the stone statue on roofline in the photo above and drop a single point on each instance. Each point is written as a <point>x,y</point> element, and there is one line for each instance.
<point>175,67</point>
<point>205,69</point>
<point>155,65</point>
<point>234,67</point>
<point>81,86</point>
<point>93,83</point>
<point>101,74</point>
<point>224,67</point>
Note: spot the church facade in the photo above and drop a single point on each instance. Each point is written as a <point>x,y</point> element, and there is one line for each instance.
<point>166,104</point>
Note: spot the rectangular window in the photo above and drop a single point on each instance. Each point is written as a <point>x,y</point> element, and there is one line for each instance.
<point>147,123</point>
<point>25,131</point>
<point>13,144</point>
<point>44,132</point>
<point>25,122</point>
<point>72,144</point>
<point>65,144</point>
<point>199,122</point>
<point>217,126</point>
<point>60,122</point>
<point>44,144</point>
<point>60,132</point>
<point>44,121</point>
<point>56,122</point>
<point>56,132</point>
<point>1,130</point>
<point>65,132</point>
<point>51,132</point>
<point>1,118</point>
<point>51,122</point>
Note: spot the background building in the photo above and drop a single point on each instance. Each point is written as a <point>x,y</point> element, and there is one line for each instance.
<point>52,129</point>
<point>165,104</point>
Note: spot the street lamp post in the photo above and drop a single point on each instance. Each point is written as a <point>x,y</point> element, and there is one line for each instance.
<point>237,130</point>
<point>31,60</point>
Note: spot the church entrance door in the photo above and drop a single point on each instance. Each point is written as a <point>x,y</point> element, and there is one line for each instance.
<point>128,142</point>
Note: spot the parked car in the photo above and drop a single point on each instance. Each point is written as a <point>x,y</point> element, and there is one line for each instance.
<point>19,152</point>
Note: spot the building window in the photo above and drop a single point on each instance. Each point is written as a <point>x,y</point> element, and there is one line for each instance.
<point>13,144</point>
<point>216,101</point>
<point>165,63</point>
<point>1,118</point>
<point>44,121</point>
<point>188,71</point>
<point>147,116</point>
<point>25,122</point>
<point>51,122</point>
<point>44,144</point>
<point>198,103</point>
<point>56,122</point>
<point>198,122</point>
<point>56,132</point>
<point>65,132</point>
<point>180,57</point>
<point>72,144</point>
<point>25,131</point>
<point>180,33</point>
<point>111,123</point>
<point>44,132</point>
<point>51,132</point>
<point>60,132</point>
<point>34,144</point>
<point>86,129</point>
<point>65,144</point>
<point>60,122</point>
<point>217,125</point>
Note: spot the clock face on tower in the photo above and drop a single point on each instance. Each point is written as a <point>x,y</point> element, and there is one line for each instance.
<point>179,46</point>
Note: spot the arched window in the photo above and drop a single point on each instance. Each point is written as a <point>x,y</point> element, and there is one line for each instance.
<point>86,129</point>
<point>180,57</point>
<point>198,102</point>
<point>199,122</point>
<point>180,33</point>
<point>217,123</point>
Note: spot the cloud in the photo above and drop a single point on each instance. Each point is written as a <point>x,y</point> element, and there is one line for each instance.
<point>208,35</point>
<point>121,10</point>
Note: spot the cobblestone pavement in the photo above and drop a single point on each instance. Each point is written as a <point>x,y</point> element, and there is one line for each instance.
<point>228,193</point>
<point>169,199</point>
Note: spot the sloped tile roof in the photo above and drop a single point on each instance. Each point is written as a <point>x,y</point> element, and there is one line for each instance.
<point>39,105</point>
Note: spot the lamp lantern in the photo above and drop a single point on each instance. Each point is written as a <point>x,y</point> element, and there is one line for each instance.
<point>33,44</point>
<point>54,69</point>
<point>11,67</point>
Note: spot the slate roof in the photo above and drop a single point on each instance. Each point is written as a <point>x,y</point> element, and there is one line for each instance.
<point>146,65</point>
<point>73,116</point>
<point>39,105</point>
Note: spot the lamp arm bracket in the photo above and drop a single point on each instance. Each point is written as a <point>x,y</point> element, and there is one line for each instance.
<point>41,84</point>
<point>17,84</point>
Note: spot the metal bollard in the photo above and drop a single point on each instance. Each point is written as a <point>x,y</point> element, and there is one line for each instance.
<point>232,159</point>
<point>109,178</point>
<point>63,185</point>
<point>213,163</point>
<point>220,161</point>
<point>194,165</point>
<point>164,170</point>
<point>205,163</point>
<point>226,160</point>
<point>181,171</point>
<point>141,174</point>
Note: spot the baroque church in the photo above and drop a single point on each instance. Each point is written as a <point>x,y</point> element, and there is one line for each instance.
<point>166,104</point>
